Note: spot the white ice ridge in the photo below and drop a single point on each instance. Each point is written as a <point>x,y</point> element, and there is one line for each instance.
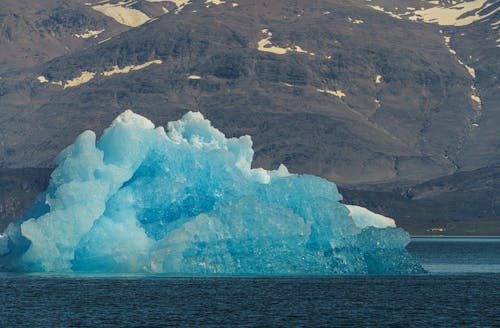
<point>363,218</point>
<point>86,76</point>
<point>89,34</point>
<point>266,45</point>
<point>122,13</point>
<point>336,93</point>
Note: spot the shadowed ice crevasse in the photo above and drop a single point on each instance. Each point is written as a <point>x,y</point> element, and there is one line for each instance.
<point>187,201</point>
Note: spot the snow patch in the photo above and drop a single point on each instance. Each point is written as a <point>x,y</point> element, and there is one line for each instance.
<point>469,69</point>
<point>215,2</point>
<point>105,40</point>
<point>79,80</point>
<point>89,34</point>
<point>390,13</point>
<point>447,40</point>
<point>127,69</point>
<point>42,79</point>
<point>266,45</point>
<point>355,21</point>
<point>460,14</point>
<point>474,96</point>
<point>86,76</point>
<point>122,13</point>
<point>180,4</point>
<point>336,93</point>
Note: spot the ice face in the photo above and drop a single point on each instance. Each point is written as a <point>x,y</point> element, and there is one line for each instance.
<point>187,201</point>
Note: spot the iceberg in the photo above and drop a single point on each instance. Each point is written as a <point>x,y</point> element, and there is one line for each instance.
<point>187,201</point>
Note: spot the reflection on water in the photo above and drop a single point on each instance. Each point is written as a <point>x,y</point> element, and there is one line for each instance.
<point>457,254</point>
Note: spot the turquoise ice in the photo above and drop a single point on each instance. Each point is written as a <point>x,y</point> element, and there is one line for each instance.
<point>187,201</point>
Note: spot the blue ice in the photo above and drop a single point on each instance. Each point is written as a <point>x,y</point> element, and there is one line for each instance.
<point>187,201</point>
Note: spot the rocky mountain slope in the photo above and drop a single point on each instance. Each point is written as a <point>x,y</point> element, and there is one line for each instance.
<point>379,96</point>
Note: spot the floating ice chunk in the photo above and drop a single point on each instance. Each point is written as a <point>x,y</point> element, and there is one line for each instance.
<point>187,201</point>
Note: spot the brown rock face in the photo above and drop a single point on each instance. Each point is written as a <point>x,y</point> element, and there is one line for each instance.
<point>332,88</point>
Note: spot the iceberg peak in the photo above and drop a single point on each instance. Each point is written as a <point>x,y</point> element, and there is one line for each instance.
<point>128,117</point>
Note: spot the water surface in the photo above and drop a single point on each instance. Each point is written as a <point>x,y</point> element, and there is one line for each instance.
<point>457,255</point>
<point>456,293</point>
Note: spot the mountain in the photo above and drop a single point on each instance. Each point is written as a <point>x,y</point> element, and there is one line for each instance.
<point>379,96</point>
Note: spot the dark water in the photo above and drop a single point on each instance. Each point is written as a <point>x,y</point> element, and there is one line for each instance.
<point>456,293</point>
<point>457,254</point>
